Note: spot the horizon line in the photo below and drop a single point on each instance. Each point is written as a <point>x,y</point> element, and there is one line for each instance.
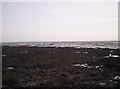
<point>64,41</point>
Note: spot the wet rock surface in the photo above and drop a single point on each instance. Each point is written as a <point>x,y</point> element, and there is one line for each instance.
<point>59,67</point>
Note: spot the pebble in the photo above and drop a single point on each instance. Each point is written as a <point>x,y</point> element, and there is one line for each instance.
<point>77,52</point>
<point>32,84</point>
<point>117,77</point>
<point>86,52</point>
<point>103,84</point>
<point>76,64</point>
<point>10,68</point>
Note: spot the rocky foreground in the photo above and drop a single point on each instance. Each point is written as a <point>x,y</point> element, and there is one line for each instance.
<point>26,66</point>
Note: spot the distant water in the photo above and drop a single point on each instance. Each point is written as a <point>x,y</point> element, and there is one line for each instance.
<point>76,44</point>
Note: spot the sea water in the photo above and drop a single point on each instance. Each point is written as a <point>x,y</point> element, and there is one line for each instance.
<point>76,44</point>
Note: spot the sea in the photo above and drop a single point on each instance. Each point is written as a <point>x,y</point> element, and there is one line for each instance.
<point>75,44</point>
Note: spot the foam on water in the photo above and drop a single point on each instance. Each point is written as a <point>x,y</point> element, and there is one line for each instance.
<point>76,44</point>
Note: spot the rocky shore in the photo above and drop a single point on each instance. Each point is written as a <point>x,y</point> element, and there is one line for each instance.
<point>26,66</point>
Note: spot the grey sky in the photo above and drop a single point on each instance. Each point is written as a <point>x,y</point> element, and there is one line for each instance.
<point>60,21</point>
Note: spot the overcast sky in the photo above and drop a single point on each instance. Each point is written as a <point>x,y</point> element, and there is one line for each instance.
<point>60,21</point>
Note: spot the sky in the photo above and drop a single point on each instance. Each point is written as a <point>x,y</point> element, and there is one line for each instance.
<point>59,21</point>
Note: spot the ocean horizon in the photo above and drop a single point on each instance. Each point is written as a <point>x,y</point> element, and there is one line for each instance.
<point>76,44</point>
